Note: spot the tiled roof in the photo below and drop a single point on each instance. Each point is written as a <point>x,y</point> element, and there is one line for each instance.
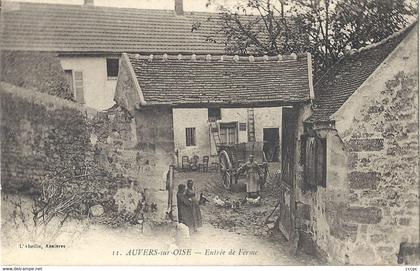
<point>78,28</point>
<point>345,77</point>
<point>228,81</point>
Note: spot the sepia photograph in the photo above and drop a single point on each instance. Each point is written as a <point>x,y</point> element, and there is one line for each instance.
<point>209,133</point>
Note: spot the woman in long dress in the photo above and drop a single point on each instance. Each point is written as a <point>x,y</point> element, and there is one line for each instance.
<point>196,212</point>
<point>184,207</point>
<point>253,173</point>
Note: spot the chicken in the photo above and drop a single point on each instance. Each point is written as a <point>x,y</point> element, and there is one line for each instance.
<point>218,201</point>
<point>255,201</point>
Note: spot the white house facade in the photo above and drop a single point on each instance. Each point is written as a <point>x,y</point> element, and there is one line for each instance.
<point>96,75</point>
<point>193,132</point>
<point>89,39</point>
<point>194,105</point>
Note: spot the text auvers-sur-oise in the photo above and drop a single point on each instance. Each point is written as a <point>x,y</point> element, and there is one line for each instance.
<point>185,252</point>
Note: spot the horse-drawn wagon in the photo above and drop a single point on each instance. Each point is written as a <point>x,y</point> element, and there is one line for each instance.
<point>232,157</point>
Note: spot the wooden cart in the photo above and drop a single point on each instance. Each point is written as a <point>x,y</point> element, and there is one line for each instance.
<point>231,157</point>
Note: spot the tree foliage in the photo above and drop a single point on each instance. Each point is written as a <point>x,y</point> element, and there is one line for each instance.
<point>325,28</point>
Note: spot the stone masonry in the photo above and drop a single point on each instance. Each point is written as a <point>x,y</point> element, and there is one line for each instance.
<point>368,212</point>
<point>46,137</point>
<point>382,145</point>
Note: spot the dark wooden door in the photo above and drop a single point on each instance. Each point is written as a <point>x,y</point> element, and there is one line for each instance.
<point>289,125</point>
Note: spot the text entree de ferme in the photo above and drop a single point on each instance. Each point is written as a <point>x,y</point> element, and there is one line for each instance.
<point>185,252</point>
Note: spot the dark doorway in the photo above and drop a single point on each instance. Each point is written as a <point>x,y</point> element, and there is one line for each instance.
<point>288,141</point>
<point>271,146</point>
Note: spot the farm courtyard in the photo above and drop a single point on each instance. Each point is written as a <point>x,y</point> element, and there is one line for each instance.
<point>224,229</point>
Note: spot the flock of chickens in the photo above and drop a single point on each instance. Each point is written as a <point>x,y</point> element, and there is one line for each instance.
<point>230,205</point>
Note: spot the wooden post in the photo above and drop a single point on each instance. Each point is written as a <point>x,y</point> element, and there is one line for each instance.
<point>170,189</point>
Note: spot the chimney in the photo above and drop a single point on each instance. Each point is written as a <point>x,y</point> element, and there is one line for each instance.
<point>179,7</point>
<point>88,2</point>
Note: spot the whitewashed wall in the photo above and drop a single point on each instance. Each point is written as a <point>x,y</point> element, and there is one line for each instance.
<point>198,118</point>
<point>188,118</point>
<point>98,89</point>
<point>239,115</point>
<point>267,117</point>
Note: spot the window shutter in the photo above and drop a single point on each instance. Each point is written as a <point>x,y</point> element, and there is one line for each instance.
<point>190,137</point>
<point>310,163</point>
<point>78,86</point>
<point>69,76</point>
<point>321,162</point>
<point>315,162</point>
<point>193,137</point>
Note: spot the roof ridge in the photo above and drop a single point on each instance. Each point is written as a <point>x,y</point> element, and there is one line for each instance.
<point>192,81</point>
<point>383,41</point>
<point>339,83</point>
<point>352,52</point>
<point>186,12</point>
<point>217,57</point>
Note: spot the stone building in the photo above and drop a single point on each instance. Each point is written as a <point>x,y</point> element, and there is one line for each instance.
<point>189,104</point>
<point>89,39</point>
<point>355,188</point>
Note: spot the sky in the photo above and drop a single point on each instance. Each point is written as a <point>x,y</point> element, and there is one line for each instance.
<point>189,5</point>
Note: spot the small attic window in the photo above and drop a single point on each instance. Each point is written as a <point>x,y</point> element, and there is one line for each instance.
<point>214,114</point>
<point>112,66</point>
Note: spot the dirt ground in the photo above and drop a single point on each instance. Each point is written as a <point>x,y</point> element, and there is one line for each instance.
<point>247,221</point>
<point>224,230</point>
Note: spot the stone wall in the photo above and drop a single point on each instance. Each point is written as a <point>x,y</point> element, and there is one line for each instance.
<point>155,141</point>
<point>44,137</point>
<point>114,126</point>
<point>39,133</point>
<point>383,176</point>
<point>155,130</point>
<point>381,140</point>
<point>369,210</point>
<point>309,210</point>
<point>44,73</point>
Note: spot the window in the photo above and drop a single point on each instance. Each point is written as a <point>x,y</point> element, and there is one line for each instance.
<point>228,133</point>
<point>190,136</point>
<point>75,79</point>
<point>315,162</point>
<point>112,66</point>
<point>242,126</point>
<point>69,76</point>
<point>214,114</point>
<point>78,87</point>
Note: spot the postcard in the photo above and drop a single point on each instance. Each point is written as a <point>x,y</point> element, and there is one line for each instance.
<point>181,132</point>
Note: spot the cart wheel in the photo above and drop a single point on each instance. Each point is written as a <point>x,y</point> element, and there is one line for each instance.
<point>225,169</point>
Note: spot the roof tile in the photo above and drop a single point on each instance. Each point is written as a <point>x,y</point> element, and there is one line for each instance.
<point>77,28</point>
<point>178,82</point>
<point>345,77</point>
